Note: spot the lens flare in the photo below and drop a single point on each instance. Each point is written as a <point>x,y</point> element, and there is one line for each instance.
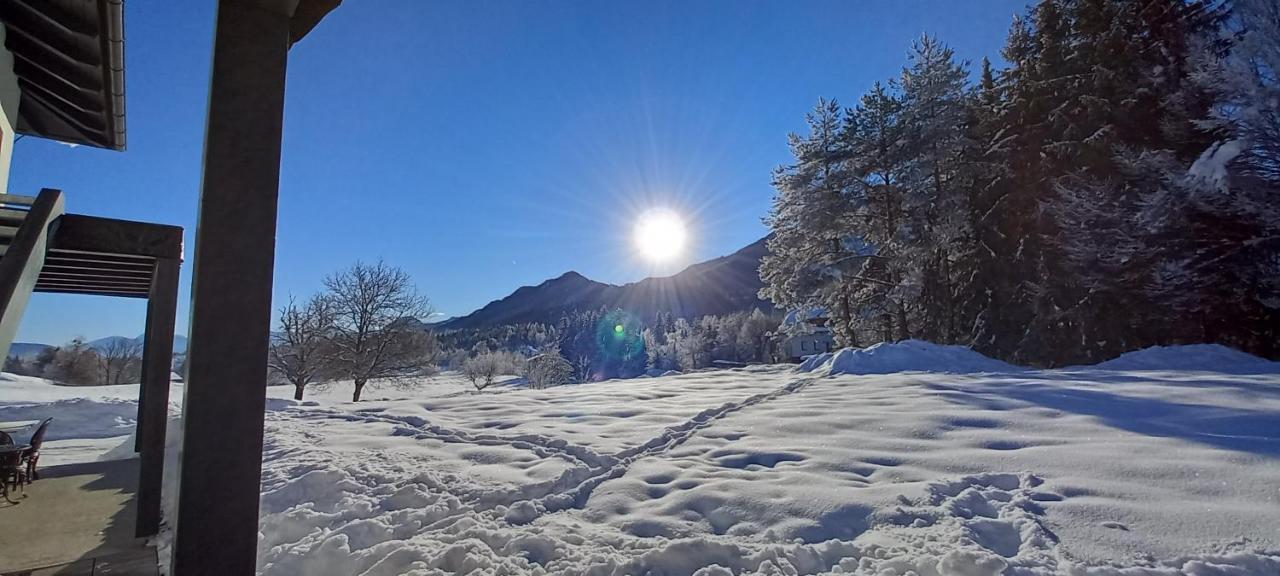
<point>660,235</point>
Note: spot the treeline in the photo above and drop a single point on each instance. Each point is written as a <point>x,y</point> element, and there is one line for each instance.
<point>118,361</point>
<point>1114,187</point>
<point>602,344</point>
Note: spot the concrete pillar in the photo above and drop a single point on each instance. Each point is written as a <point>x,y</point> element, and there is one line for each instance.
<point>153,402</point>
<point>217,528</point>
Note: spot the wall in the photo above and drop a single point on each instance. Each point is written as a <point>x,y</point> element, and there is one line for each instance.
<point>9,96</point>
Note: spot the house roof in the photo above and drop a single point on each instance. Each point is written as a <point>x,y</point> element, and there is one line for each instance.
<point>68,56</point>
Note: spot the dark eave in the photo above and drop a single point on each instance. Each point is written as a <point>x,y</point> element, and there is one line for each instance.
<point>68,56</point>
<point>307,14</point>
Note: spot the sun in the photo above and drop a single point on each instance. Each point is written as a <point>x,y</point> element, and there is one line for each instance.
<point>660,235</point>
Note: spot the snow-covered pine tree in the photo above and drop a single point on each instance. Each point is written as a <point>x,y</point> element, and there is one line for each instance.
<point>1214,228</point>
<point>935,110</point>
<point>1128,99</point>
<point>802,268</point>
<point>876,294</point>
<point>1019,321</point>
<point>989,287</point>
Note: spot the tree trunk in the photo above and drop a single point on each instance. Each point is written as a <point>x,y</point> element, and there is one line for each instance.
<point>297,391</point>
<point>850,335</point>
<point>355,397</point>
<point>903,332</point>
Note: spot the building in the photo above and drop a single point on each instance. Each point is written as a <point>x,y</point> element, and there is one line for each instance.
<point>62,78</point>
<point>65,80</point>
<point>804,333</point>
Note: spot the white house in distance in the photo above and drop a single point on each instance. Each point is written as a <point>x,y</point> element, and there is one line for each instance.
<point>804,333</point>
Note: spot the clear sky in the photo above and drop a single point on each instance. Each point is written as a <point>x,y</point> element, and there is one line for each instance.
<point>482,146</point>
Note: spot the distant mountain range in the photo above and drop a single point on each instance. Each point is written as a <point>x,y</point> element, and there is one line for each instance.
<point>179,342</point>
<point>29,350</point>
<point>719,286</point>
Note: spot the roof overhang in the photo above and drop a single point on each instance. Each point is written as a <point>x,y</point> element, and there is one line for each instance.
<point>307,15</point>
<point>106,257</point>
<point>69,60</point>
<point>68,56</point>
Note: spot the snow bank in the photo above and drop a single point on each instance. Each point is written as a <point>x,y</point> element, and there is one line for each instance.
<point>1195,357</point>
<point>904,356</point>
<point>77,418</point>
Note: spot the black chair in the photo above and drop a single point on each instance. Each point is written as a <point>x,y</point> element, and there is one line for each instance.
<point>32,454</point>
<point>12,474</point>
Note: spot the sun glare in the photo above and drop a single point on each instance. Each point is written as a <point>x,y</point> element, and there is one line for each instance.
<point>660,235</point>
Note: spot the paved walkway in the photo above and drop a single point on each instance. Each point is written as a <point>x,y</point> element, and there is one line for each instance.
<point>76,520</point>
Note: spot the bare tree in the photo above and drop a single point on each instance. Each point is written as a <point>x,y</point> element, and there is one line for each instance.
<point>377,330</point>
<point>548,369</point>
<point>299,350</point>
<point>74,363</point>
<point>483,369</point>
<point>119,362</point>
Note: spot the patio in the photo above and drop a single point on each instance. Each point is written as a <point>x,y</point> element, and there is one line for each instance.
<point>76,520</point>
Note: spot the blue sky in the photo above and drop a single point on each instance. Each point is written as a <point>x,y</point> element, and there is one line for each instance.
<point>482,146</point>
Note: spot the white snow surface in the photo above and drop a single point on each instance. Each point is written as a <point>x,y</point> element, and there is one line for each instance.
<point>904,356</point>
<point>1207,357</point>
<point>949,465</point>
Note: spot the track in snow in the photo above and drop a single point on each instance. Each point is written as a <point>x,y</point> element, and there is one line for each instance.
<point>573,488</point>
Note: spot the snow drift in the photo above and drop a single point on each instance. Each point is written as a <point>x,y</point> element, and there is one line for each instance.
<point>1194,357</point>
<point>904,356</point>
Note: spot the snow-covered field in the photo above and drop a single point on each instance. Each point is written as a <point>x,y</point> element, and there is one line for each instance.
<point>898,459</point>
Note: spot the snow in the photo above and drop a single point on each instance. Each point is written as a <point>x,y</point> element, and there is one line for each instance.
<point>897,459</point>
<point>1210,168</point>
<point>97,422</point>
<point>1209,357</point>
<point>803,316</point>
<point>89,422</point>
<point>904,356</point>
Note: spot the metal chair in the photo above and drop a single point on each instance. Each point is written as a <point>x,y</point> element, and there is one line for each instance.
<point>12,474</point>
<point>32,454</point>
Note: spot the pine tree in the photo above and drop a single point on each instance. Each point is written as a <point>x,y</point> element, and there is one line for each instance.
<point>1214,221</point>
<point>806,249</point>
<point>1113,188</point>
<point>1128,100</point>
<point>877,144</point>
<point>935,111</point>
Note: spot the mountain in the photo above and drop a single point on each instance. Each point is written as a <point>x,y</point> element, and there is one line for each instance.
<point>27,350</point>
<point>719,286</point>
<point>179,342</point>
